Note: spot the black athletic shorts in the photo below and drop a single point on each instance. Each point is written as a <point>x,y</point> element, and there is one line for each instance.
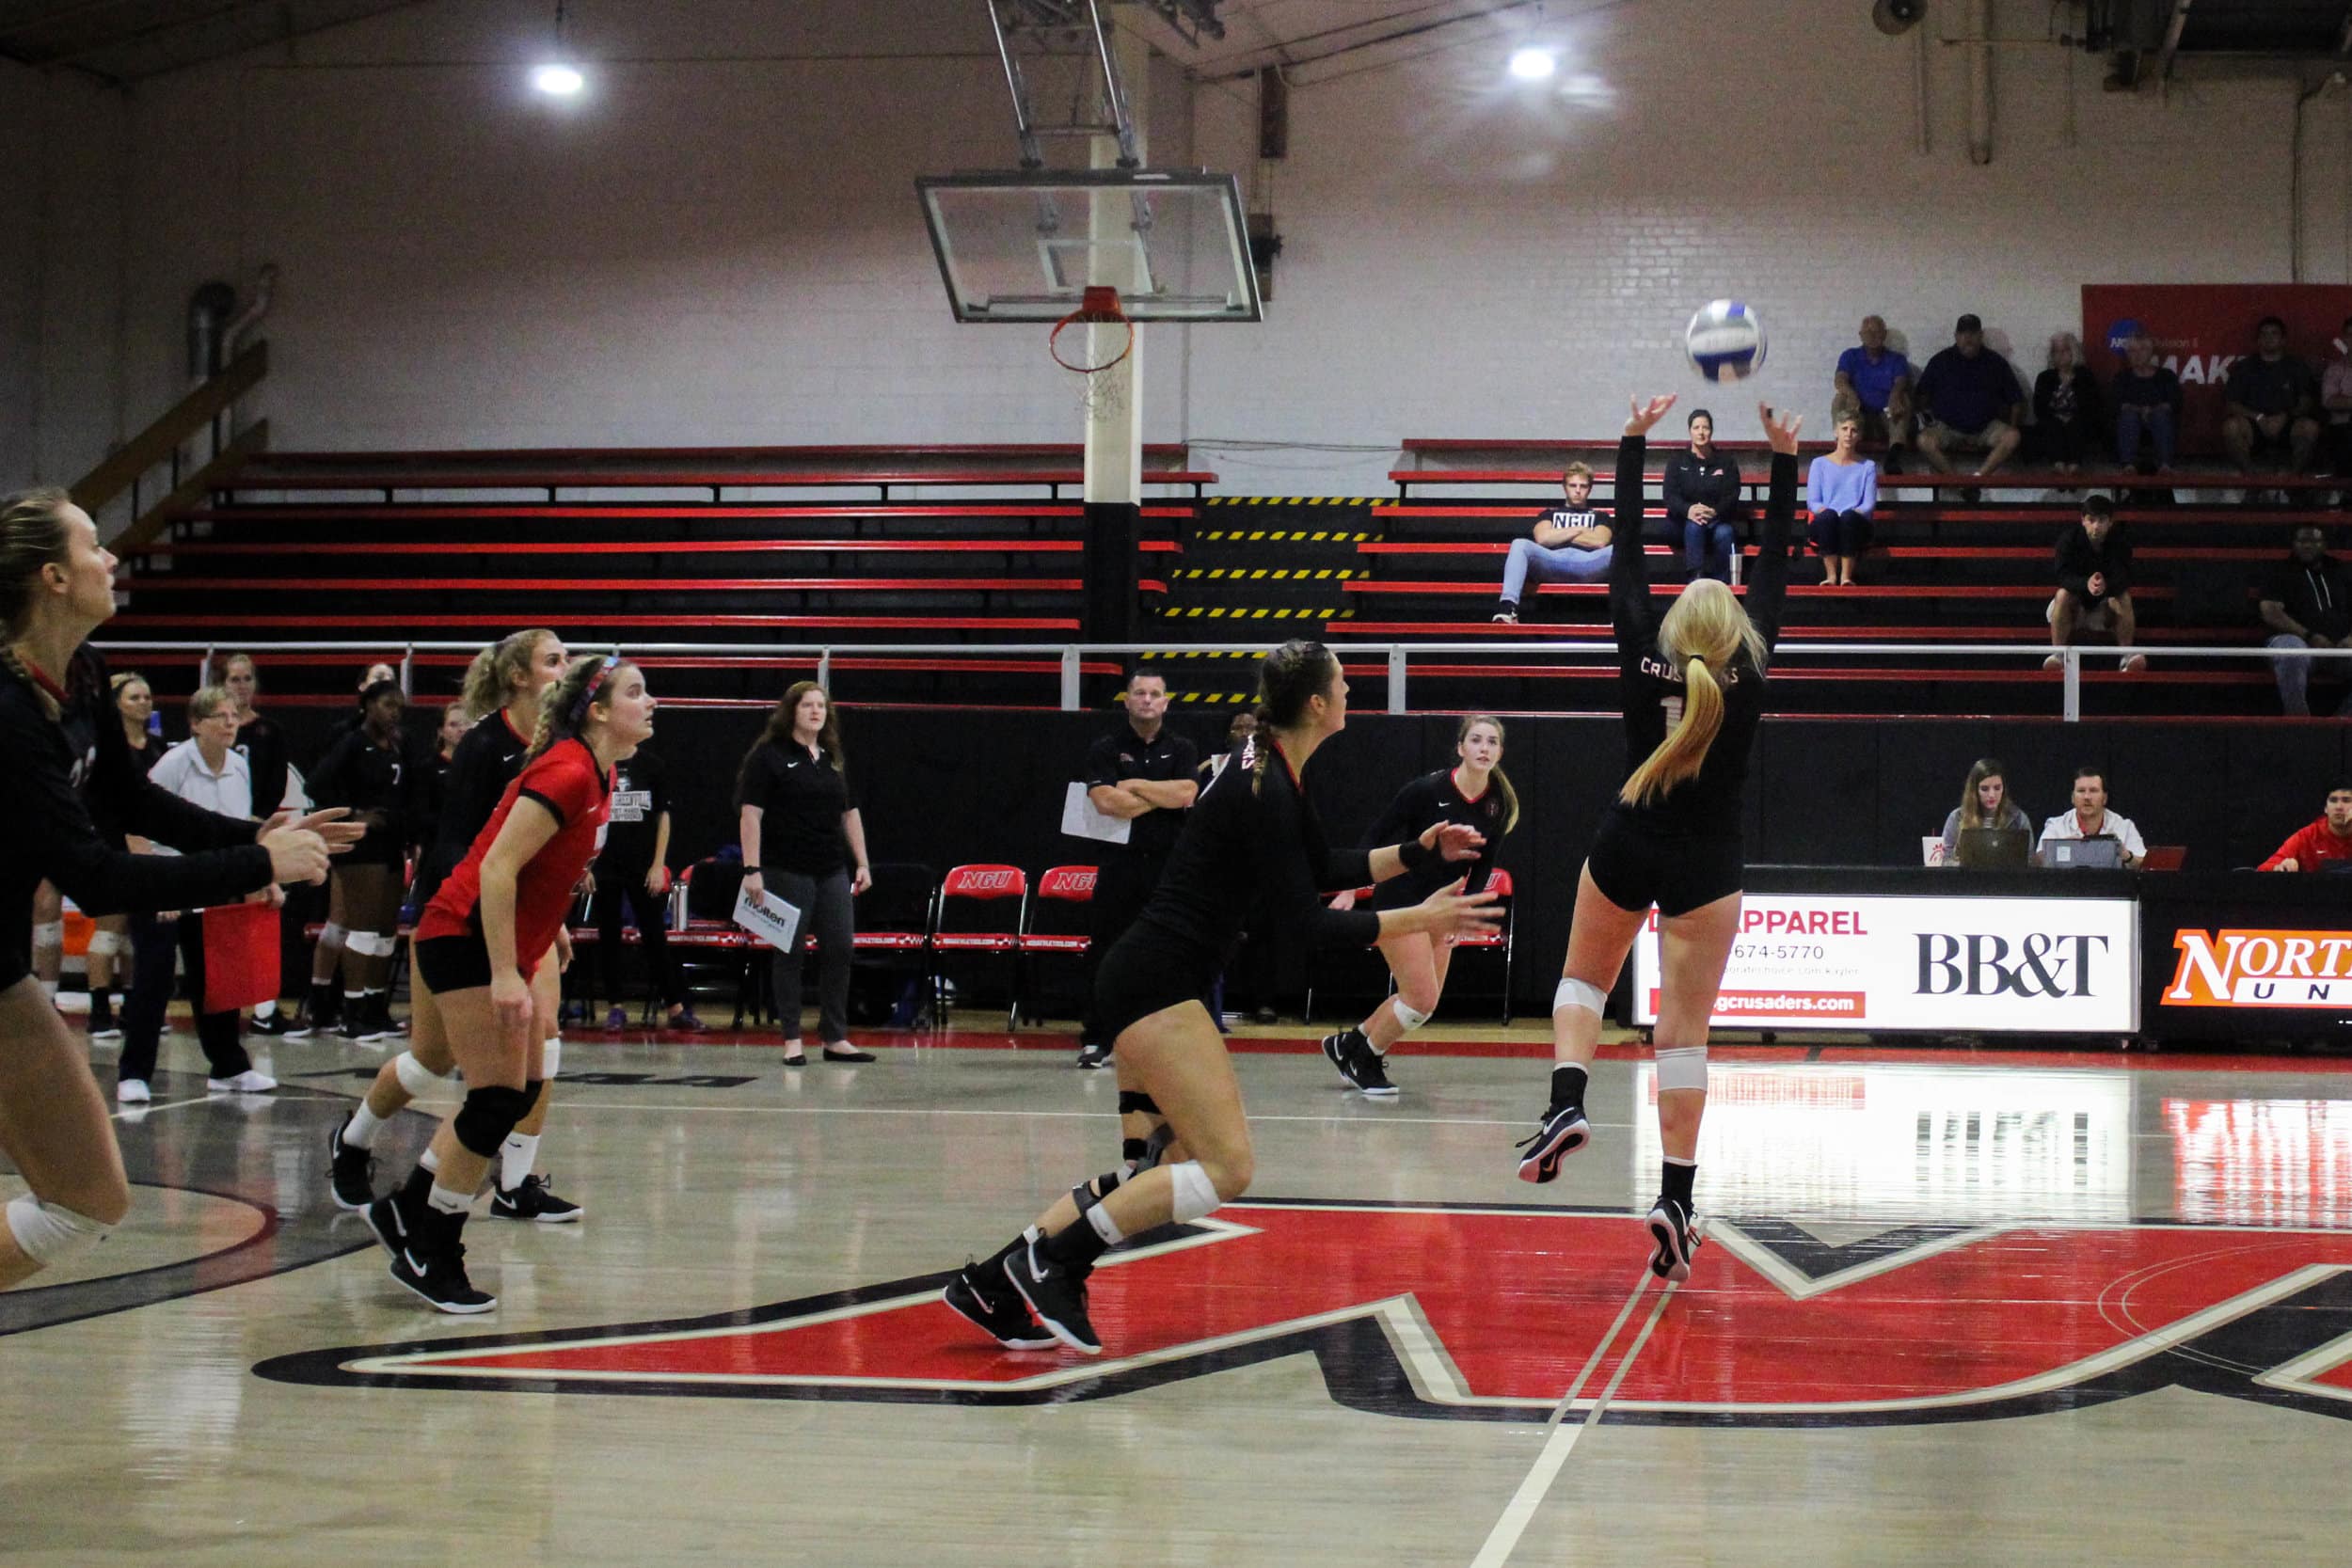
<point>448,964</point>
<point>1147,970</point>
<point>1635,866</point>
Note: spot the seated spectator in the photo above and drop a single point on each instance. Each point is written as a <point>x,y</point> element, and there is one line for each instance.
<point>2090,818</point>
<point>1841,490</point>
<point>2327,844</point>
<point>2335,402</point>
<point>2307,603</point>
<point>2147,399</point>
<point>1984,802</point>
<point>1873,385</point>
<point>1971,404</point>
<point>2094,573</point>
<point>1570,544</point>
<point>2273,403</point>
<point>1701,492</point>
<point>2070,417</point>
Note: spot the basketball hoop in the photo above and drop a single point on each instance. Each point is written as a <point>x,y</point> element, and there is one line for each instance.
<point>1103,359</point>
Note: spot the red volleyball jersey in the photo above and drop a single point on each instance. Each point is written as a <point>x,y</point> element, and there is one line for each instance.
<point>567,780</point>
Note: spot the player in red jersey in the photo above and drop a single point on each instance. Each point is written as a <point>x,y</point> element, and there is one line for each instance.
<point>477,945</point>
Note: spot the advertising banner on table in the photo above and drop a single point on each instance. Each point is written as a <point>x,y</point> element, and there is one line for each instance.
<point>2199,329</point>
<point>2067,966</point>
<point>2248,971</point>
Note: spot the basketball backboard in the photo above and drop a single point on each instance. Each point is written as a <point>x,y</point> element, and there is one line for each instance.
<point>1024,247</point>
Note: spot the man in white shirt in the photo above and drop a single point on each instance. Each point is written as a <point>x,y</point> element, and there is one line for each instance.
<point>2090,818</point>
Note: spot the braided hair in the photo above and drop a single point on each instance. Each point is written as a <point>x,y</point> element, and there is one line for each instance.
<point>32,535</point>
<point>563,711</point>
<point>1292,675</point>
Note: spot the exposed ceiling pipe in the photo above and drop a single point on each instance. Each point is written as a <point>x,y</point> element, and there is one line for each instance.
<point>1979,83</point>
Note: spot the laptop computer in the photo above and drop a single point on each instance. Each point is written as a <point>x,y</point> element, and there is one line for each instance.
<point>1993,849</point>
<point>2099,853</point>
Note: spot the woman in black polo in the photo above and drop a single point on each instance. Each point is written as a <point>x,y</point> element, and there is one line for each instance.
<point>802,840</point>
<point>1702,493</point>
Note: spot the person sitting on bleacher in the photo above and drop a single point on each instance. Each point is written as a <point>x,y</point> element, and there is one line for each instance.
<point>2273,398</point>
<point>1569,544</point>
<point>2307,603</point>
<point>1972,402</point>
<point>2147,398</point>
<point>2090,818</point>
<point>2094,572</point>
<point>1841,491</point>
<point>2070,422</point>
<point>1701,489</point>
<point>2335,402</point>
<point>2327,844</point>
<point>1873,385</point>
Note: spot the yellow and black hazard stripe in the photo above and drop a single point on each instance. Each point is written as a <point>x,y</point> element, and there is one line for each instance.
<point>1297,501</point>
<point>1279,536</point>
<point>1266,574</point>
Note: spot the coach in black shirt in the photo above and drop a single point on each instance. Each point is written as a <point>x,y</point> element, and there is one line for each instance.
<point>1140,772</point>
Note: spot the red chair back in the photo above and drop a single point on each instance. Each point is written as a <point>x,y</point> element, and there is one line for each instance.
<point>1073,882</point>
<point>985,881</point>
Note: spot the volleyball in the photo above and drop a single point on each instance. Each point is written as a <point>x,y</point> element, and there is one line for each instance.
<point>1725,341</point>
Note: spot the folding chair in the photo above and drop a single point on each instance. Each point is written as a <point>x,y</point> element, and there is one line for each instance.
<point>1064,895</point>
<point>894,921</point>
<point>954,929</point>
<point>1498,883</point>
<point>1354,961</point>
<point>704,937</point>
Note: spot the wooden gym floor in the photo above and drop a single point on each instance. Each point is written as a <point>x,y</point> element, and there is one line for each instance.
<point>1955,1308</point>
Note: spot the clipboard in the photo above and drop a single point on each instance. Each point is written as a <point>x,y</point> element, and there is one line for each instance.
<point>1079,819</point>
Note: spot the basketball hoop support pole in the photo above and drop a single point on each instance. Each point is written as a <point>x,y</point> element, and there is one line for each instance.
<point>1114,433</point>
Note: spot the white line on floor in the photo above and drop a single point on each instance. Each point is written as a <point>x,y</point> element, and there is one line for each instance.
<point>570,1104</point>
<point>147,1110</point>
<point>1561,1439</point>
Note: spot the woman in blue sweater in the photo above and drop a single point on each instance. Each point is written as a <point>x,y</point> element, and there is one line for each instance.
<point>1841,490</point>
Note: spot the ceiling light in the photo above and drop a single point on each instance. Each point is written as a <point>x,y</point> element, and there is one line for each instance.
<point>558,81</point>
<point>1531,64</point>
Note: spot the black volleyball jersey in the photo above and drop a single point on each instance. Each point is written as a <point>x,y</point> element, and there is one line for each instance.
<point>46,796</point>
<point>1652,689</point>
<point>1252,836</point>
<point>1435,797</point>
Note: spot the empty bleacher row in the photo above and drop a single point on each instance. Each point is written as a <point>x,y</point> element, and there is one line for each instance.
<point>975,548</point>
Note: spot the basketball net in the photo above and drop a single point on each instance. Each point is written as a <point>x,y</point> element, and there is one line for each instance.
<point>1098,355</point>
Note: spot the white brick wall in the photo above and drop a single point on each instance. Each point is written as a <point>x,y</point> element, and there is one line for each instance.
<point>729,251</point>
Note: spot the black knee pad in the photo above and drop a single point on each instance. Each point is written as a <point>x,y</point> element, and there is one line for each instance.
<point>1131,1103</point>
<point>487,1116</point>
<point>534,1090</point>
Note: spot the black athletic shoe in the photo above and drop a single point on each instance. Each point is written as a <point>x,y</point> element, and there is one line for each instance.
<point>273,1023</point>
<point>532,1200</point>
<point>994,1309</point>
<point>1678,1237</point>
<point>1359,1063</point>
<point>432,1267</point>
<point>102,1019</point>
<point>1561,1133</point>
<point>373,1025</point>
<point>390,1226</point>
<point>351,1172</point>
<point>1058,1294</point>
<point>1094,1053</point>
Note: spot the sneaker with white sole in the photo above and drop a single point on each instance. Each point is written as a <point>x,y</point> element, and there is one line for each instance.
<point>1676,1233</point>
<point>982,1296</point>
<point>133,1091</point>
<point>351,1172</point>
<point>1561,1134</point>
<point>1056,1294</point>
<point>532,1199</point>
<point>248,1081</point>
<point>430,1265</point>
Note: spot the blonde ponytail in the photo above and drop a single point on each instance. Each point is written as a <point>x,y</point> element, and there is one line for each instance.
<point>1683,753</point>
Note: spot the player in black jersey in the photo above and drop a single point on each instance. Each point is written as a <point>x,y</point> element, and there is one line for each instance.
<point>57,586</point>
<point>503,688</point>
<point>372,769</point>
<point>1476,794</point>
<point>1251,835</point>
<point>1693,687</point>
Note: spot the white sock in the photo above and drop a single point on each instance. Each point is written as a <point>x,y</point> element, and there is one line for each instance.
<point>360,1132</point>
<point>449,1202</point>
<point>268,1009</point>
<point>516,1157</point>
<point>430,1161</point>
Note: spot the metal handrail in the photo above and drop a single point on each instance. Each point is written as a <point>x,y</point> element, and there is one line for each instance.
<point>1398,656</point>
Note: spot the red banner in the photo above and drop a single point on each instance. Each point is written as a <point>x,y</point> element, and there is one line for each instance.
<point>240,956</point>
<point>2200,329</point>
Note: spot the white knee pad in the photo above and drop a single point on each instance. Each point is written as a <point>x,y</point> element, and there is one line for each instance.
<point>51,1232</point>
<point>551,1057</point>
<point>1195,1194</point>
<point>1576,994</point>
<point>1682,1067</point>
<point>369,946</point>
<point>1412,1018</point>
<point>414,1076</point>
<point>49,933</point>
<point>332,935</point>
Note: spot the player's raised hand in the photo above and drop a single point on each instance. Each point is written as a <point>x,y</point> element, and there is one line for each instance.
<point>1648,414</point>
<point>1780,429</point>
